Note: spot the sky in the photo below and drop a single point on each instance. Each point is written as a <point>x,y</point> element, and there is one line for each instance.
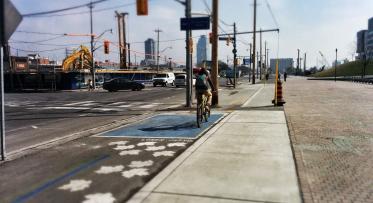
<point>311,26</point>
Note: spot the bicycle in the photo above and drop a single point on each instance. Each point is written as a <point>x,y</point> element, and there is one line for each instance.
<point>202,111</point>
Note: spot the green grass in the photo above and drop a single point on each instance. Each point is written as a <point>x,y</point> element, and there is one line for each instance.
<point>354,68</point>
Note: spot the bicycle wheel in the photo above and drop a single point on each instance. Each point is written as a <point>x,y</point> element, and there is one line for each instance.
<point>205,113</point>
<point>199,116</point>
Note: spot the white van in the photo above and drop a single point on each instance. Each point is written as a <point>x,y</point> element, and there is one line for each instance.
<point>164,79</point>
<point>181,80</point>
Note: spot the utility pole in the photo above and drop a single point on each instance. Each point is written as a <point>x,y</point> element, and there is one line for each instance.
<point>304,65</point>
<point>189,69</point>
<point>124,40</point>
<point>234,55</point>
<point>254,42</point>
<point>121,45</point>
<point>251,59</point>
<point>335,69</point>
<point>129,55</point>
<point>158,31</point>
<point>93,71</point>
<point>214,51</point>
<point>298,61</point>
<point>258,65</point>
<point>261,55</point>
<point>265,57</point>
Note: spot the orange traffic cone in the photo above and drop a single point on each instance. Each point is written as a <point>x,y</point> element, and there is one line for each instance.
<point>280,100</point>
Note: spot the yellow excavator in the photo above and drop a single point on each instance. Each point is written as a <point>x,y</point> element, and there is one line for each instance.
<point>80,59</point>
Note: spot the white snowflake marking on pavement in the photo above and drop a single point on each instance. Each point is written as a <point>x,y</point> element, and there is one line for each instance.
<point>110,169</point>
<point>118,143</point>
<point>130,152</point>
<point>99,198</point>
<point>177,144</point>
<point>76,185</point>
<point>154,148</point>
<point>135,172</point>
<point>163,153</point>
<point>96,147</point>
<point>146,144</point>
<point>140,164</point>
<point>124,147</point>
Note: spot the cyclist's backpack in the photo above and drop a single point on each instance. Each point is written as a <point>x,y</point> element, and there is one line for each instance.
<point>201,83</point>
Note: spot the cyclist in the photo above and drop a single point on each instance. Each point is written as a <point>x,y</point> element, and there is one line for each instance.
<point>203,82</point>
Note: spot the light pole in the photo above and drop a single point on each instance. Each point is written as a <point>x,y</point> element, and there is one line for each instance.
<point>158,31</point>
<point>335,69</point>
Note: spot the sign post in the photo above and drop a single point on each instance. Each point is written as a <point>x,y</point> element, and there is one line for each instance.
<point>9,20</point>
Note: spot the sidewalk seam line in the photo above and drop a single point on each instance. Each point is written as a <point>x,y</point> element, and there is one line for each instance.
<point>214,197</point>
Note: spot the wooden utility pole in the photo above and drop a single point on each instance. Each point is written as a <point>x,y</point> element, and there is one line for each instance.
<point>124,40</point>
<point>261,55</point>
<point>158,31</point>
<point>254,43</point>
<point>304,61</point>
<point>121,44</point>
<point>234,55</point>
<point>214,51</point>
<point>251,59</point>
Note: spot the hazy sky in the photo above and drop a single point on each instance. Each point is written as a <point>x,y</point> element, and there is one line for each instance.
<point>310,25</point>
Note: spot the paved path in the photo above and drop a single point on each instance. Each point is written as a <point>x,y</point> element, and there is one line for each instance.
<point>247,157</point>
<point>331,127</point>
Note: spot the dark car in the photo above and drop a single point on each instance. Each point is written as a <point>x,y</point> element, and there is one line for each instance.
<point>122,84</point>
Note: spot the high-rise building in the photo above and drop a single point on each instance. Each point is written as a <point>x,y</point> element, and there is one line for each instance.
<point>369,39</point>
<point>150,49</point>
<point>360,49</point>
<point>283,64</point>
<point>203,50</point>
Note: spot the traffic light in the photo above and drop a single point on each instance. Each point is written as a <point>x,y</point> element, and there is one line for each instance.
<point>228,40</point>
<point>210,37</point>
<point>106,46</point>
<point>142,7</point>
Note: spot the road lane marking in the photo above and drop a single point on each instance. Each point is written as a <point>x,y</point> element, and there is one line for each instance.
<point>76,185</point>
<point>110,169</point>
<point>99,197</point>
<point>78,103</point>
<point>135,172</point>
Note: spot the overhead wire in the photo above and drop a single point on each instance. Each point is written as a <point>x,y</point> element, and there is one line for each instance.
<point>63,9</point>
<point>87,12</point>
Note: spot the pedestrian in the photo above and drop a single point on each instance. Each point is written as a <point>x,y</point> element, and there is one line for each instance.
<point>285,75</point>
<point>267,76</point>
<point>90,85</point>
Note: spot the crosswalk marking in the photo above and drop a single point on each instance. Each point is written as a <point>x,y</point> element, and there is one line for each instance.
<point>78,103</point>
<point>93,106</point>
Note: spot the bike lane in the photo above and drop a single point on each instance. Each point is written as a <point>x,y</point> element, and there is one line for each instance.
<point>107,167</point>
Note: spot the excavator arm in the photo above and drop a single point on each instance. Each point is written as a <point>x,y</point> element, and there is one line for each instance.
<point>84,55</point>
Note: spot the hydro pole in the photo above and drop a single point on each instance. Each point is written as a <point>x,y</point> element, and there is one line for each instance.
<point>254,43</point>
<point>214,51</point>
<point>92,39</point>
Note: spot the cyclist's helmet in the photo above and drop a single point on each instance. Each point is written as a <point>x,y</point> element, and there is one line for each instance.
<point>203,71</point>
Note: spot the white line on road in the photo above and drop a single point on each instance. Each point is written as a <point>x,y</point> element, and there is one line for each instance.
<point>78,103</point>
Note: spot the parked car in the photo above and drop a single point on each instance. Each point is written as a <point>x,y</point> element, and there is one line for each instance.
<point>164,79</point>
<point>181,80</point>
<point>122,84</point>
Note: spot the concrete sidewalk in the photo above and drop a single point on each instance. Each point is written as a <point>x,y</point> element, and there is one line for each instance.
<point>247,157</point>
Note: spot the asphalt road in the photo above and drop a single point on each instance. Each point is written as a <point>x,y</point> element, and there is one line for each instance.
<point>33,118</point>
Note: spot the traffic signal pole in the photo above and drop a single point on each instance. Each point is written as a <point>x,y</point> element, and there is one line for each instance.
<point>92,39</point>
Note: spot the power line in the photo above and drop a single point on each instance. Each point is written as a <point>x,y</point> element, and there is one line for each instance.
<point>44,40</point>
<point>270,10</point>
<point>43,44</point>
<point>37,51</point>
<point>62,10</point>
<point>87,12</point>
<point>38,33</point>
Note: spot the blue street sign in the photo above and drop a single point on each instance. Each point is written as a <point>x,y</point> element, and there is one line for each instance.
<point>246,61</point>
<point>199,23</point>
